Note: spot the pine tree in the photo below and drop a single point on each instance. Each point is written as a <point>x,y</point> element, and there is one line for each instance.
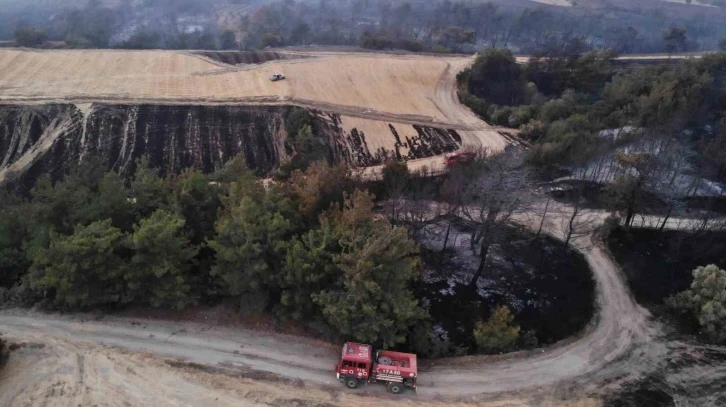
<point>705,301</point>
<point>252,236</point>
<point>371,300</point>
<point>309,267</point>
<point>150,191</point>
<point>159,272</point>
<point>84,269</point>
<point>197,200</point>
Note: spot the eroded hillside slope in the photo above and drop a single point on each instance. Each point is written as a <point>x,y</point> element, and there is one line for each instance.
<point>49,138</point>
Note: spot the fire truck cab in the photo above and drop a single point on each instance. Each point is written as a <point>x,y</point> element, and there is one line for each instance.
<point>358,365</point>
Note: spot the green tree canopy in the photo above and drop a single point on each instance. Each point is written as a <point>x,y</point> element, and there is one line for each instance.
<point>84,269</point>
<point>159,273</point>
<point>149,190</point>
<point>675,39</point>
<point>251,239</point>
<point>497,77</point>
<point>197,200</point>
<point>309,268</point>
<point>705,301</point>
<point>370,300</point>
<point>228,40</point>
<point>13,261</point>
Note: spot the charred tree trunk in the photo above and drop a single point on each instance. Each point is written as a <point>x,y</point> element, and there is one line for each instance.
<point>544,215</point>
<point>446,238</point>
<point>630,214</point>
<point>571,227</point>
<point>483,254</point>
<point>667,216</point>
<point>486,243</point>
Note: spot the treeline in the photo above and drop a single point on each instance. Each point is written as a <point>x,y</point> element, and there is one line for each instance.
<point>459,26</point>
<point>126,25</point>
<point>309,249</point>
<point>415,25</point>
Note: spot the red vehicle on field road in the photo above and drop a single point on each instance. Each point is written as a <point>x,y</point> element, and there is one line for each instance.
<point>357,365</point>
<point>456,158</point>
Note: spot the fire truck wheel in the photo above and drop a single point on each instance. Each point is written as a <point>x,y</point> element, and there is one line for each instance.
<point>351,383</point>
<point>395,388</point>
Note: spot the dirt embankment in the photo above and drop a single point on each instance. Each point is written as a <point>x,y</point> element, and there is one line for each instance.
<point>249,57</point>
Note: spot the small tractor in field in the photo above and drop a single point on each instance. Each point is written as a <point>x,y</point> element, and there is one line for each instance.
<point>277,77</point>
<point>358,365</point>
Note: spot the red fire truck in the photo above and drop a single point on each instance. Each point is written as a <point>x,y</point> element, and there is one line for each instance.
<point>358,365</point>
<point>455,158</point>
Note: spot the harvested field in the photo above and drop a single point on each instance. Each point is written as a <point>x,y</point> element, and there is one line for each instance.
<point>386,105</point>
<point>395,85</point>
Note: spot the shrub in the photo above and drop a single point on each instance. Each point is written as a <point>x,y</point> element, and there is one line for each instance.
<point>520,115</point>
<point>501,115</point>
<point>30,37</point>
<point>480,107</point>
<point>533,131</point>
<point>498,333</point>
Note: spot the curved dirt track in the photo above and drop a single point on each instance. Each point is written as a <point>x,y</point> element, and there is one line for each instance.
<point>619,344</point>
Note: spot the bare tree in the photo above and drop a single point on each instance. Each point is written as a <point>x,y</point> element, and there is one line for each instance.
<point>544,215</point>
<point>580,221</point>
<point>498,185</point>
<point>396,181</point>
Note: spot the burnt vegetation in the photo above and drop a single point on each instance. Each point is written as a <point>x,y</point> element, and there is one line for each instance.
<point>412,25</point>
<point>641,143</point>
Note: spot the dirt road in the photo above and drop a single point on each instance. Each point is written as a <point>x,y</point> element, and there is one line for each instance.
<point>621,343</point>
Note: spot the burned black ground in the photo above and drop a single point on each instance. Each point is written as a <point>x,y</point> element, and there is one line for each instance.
<point>548,287</point>
<point>660,264</point>
<point>248,57</point>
